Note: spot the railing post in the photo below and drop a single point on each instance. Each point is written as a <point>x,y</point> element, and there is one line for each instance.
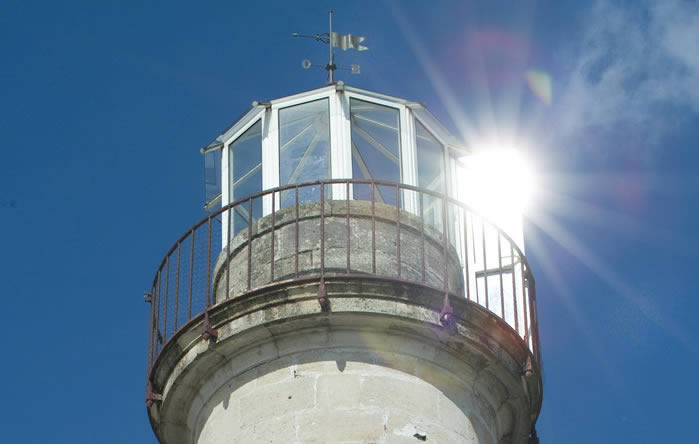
<point>177,286</point>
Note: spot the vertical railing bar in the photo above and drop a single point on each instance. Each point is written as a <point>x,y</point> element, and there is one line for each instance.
<point>468,285</point>
<point>271,260</point>
<point>157,314</point>
<point>150,333</point>
<point>322,231</point>
<point>502,290</point>
<point>249,242</point>
<point>177,285</point>
<point>473,236</point>
<point>191,277</point>
<point>422,235</point>
<point>514,288</point>
<point>524,300</point>
<point>296,245</point>
<point>208,267</point>
<point>347,223</point>
<point>228,255</point>
<point>485,266</point>
<point>535,314</point>
<point>527,313</point>
<point>167,284</point>
<point>445,241</point>
<point>398,229</point>
<point>373,229</point>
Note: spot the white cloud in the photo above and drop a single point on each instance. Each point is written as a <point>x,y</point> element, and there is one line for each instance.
<point>633,63</point>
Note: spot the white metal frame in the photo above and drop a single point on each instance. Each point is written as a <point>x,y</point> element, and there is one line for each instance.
<point>340,142</point>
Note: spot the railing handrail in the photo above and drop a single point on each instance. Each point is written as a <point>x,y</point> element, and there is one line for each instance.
<point>529,316</point>
<point>407,187</point>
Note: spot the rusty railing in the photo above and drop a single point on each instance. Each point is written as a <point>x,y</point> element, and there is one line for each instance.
<point>494,271</point>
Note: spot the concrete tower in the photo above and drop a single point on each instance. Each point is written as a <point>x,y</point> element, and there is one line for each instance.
<point>342,289</point>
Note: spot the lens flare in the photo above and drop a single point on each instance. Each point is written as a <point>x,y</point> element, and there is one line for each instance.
<point>540,84</point>
<point>498,183</point>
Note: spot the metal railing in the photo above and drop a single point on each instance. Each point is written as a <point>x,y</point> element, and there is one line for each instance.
<point>494,271</point>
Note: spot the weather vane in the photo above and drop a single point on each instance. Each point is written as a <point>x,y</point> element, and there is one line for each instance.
<point>334,40</point>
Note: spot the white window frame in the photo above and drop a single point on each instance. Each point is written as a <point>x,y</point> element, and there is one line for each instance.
<point>225,170</point>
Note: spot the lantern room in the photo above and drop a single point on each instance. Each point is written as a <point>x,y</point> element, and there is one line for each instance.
<point>335,132</point>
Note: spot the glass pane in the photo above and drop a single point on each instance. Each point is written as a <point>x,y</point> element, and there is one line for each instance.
<point>212,179</point>
<point>246,173</point>
<point>430,172</point>
<point>304,148</point>
<point>375,147</point>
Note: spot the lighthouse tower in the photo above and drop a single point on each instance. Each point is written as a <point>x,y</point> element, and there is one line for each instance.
<point>342,289</point>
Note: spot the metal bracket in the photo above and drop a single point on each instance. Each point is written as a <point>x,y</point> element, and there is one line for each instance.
<point>527,367</point>
<point>147,297</point>
<point>208,332</point>
<point>152,397</point>
<point>446,316</point>
<point>323,297</point>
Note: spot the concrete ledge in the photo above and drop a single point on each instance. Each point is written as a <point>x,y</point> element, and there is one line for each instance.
<point>470,375</point>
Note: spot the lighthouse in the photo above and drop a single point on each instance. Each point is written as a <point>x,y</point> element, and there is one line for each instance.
<point>345,286</point>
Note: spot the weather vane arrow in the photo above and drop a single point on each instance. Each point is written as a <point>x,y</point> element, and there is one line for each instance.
<point>335,40</point>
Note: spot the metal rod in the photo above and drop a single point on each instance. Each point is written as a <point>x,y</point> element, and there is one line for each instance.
<point>296,255</point>
<point>373,230</point>
<point>249,241</point>
<point>322,232</point>
<point>485,266</point>
<point>502,290</point>
<point>422,235</point>
<point>208,267</point>
<point>157,316</point>
<point>347,223</point>
<point>527,310</point>
<point>524,300</point>
<point>331,65</point>
<point>535,317</point>
<point>445,245</point>
<point>177,286</point>
<point>228,255</point>
<point>398,228</point>
<point>514,288</point>
<point>150,332</point>
<point>468,286</point>
<point>167,283</point>
<point>271,260</point>
<point>191,277</point>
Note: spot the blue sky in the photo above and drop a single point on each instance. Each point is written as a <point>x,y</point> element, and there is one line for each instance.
<point>104,106</point>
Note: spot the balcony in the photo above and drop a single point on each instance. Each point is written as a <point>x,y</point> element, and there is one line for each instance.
<point>424,240</point>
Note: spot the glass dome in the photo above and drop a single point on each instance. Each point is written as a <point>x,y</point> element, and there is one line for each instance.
<point>335,132</point>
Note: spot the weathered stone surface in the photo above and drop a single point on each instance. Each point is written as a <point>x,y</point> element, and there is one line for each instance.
<point>416,242</point>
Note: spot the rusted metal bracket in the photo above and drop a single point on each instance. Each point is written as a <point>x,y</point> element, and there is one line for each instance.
<point>527,367</point>
<point>323,297</point>
<point>151,396</point>
<point>446,316</point>
<point>208,332</point>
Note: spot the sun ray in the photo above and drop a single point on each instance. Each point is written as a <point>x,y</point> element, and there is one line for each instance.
<point>606,273</point>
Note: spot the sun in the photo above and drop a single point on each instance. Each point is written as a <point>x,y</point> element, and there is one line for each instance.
<point>499,183</point>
